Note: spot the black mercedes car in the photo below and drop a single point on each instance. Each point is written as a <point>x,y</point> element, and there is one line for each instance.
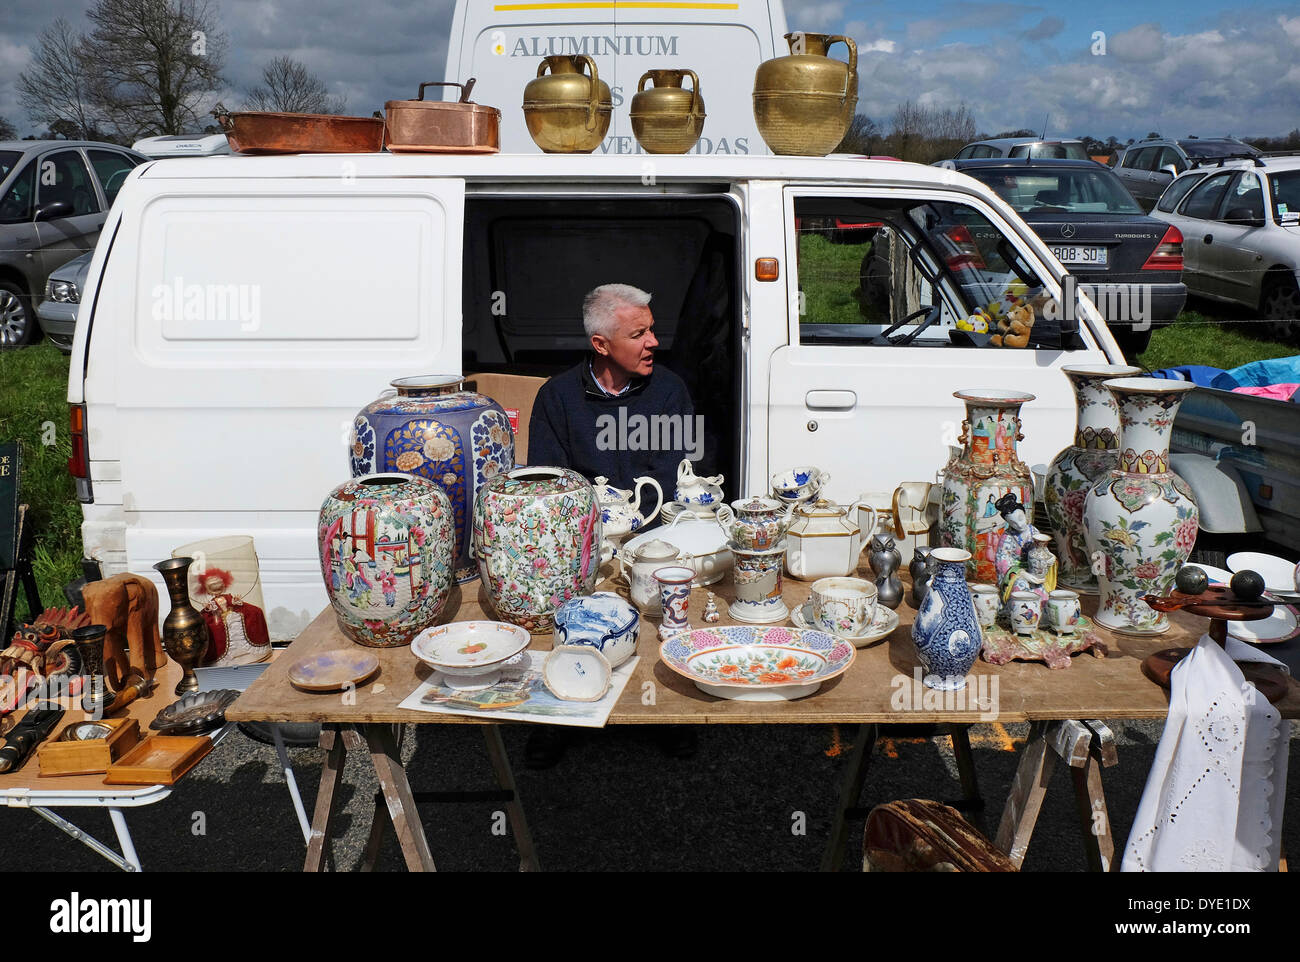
<point>1131,264</point>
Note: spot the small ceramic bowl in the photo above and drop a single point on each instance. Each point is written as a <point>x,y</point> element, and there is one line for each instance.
<point>799,483</point>
<point>604,621</point>
<point>470,654</point>
<point>576,673</point>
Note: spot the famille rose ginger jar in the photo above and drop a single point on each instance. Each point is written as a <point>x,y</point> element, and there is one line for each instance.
<point>1077,468</point>
<point>431,428</point>
<point>537,533</point>
<point>987,468</point>
<point>1140,515</point>
<point>386,550</point>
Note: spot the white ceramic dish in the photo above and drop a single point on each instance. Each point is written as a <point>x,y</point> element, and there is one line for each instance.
<point>756,664</point>
<point>703,538</point>
<point>470,654</point>
<point>576,673</point>
<point>1279,626</point>
<point>882,625</point>
<point>1278,573</point>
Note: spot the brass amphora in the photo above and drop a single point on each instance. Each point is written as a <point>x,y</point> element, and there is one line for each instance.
<point>567,111</point>
<point>185,636</point>
<point>667,119</point>
<point>804,103</point>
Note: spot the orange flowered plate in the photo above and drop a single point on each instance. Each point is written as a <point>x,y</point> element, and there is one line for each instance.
<point>757,662</point>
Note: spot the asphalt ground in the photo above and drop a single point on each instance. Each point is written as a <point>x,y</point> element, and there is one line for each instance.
<point>754,798</point>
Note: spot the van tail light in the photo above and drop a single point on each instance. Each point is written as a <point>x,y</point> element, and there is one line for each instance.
<point>968,252</point>
<point>1168,255</point>
<point>79,463</point>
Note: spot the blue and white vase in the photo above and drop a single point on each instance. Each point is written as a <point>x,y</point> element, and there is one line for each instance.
<point>603,620</point>
<point>456,439</point>
<point>947,630</point>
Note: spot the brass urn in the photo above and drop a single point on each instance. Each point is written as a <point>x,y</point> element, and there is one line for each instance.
<point>184,635</point>
<point>804,103</point>
<point>567,111</point>
<point>667,118</point>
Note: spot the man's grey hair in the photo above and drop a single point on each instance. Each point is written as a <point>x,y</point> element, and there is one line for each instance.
<point>601,304</point>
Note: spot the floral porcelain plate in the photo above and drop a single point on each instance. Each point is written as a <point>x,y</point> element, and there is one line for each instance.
<point>757,663</point>
<point>883,623</point>
<point>470,654</point>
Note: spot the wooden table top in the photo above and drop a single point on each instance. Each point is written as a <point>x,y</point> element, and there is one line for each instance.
<point>879,687</point>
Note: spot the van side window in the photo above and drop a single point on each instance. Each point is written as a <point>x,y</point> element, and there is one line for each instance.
<point>920,274</point>
<point>16,205</point>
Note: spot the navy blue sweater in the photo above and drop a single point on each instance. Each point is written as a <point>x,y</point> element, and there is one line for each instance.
<point>645,431</point>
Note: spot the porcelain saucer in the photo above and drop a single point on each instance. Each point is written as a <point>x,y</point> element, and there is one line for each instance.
<point>882,624</point>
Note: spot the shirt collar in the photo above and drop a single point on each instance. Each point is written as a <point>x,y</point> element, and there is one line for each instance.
<point>595,387</point>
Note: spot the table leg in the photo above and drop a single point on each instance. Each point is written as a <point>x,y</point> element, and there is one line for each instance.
<point>124,839</point>
<point>397,793</point>
<point>287,768</point>
<point>496,750</point>
<point>855,777</point>
<point>331,740</point>
<point>1090,798</point>
<point>128,862</point>
<point>1068,740</point>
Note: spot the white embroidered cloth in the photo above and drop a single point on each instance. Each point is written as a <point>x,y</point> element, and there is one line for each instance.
<point>1218,782</point>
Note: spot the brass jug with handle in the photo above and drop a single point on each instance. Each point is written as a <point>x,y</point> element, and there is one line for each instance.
<point>667,118</point>
<point>804,103</point>
<point>567,111</point>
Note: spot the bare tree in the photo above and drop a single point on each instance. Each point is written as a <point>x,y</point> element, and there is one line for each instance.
<point>926,134</point>
<point>288,86</point>
<point>152,63</point>
<point>7,130</point>
<point>55,88</point>
<point>863,137</point>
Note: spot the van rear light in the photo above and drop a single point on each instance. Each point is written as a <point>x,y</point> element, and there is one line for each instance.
<point>1168,255</point>
<point>968,252</point>
<point>79,463</point>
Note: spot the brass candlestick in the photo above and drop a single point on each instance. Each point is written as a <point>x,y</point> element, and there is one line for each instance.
<point>185,636</point>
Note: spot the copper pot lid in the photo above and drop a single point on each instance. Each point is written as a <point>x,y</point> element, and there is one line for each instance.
<point>461,105</point>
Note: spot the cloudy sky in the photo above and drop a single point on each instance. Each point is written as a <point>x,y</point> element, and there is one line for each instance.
<point>1174,66</point>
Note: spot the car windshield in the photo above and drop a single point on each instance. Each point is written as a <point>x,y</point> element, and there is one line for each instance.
<point>1215,148</point>
<point>1058,152</point>
<point>1044,190</point>
<point>1285,188</point>
<point>8,158</point>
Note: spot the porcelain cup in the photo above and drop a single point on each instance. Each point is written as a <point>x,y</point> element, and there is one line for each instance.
<point>1026,610</point>
<point>1061,613</point>
<point>674,597</point>
<point>986,604</point>
<point>843,606</point>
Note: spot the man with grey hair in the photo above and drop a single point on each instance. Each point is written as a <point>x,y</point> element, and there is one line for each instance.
<point>614,414</point>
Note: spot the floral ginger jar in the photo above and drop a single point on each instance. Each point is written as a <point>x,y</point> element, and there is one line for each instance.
<point>537,533</point>
<point>1078,467</point>
<point>947,629</point>
<point>1140,516</point>
<point>386,543</point>
<point>987,468</point>
<point>457,439</point>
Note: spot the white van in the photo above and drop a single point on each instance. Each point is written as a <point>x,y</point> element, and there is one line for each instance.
<point>182,145</point>
<point>240,311</point>
<point>502,44</point>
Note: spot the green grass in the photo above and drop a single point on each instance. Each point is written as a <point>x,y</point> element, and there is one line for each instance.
<point>829,277</point>
<point>34,411</point>
<point>1197,338</point>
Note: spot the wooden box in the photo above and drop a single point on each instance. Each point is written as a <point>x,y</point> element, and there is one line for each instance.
<point>92,756</point>
<point>159,760</point>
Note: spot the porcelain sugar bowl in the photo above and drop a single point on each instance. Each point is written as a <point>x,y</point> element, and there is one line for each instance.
<point>695,490</point>
<point>602,620</point>
<point>620,509</point>
<point>825,540</point>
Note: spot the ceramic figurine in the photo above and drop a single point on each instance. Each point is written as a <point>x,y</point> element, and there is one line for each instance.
<point>1072,472</point>
<point>986,469</point>
<point>694,490</point>
<point>947,629</point>
<point>919,569</point>
<point>885,560</point>
<point>457,439</point>
<point>1017,544</point>
<point>711,614</point>
<point>1141,516</point>
<point>386,552</point>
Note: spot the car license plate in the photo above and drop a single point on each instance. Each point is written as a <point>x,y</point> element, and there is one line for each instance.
<point>1094,256</point>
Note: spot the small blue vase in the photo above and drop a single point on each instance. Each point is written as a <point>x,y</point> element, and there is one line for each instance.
<point>947,630</point>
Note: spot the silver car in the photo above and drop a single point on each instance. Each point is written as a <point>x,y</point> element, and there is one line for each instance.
<point>58,312</point>
<point>54,199</point>
<point>1149,166</point>
<point>1241,237</point>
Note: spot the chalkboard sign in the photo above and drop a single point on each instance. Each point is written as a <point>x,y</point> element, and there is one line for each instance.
<point>10,460</point>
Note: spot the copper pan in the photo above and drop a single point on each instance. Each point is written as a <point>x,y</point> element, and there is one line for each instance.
<point>441,126</point>
<point>269,132</point>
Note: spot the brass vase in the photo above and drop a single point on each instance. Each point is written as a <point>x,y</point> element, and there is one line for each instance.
<point>567,111</point>
<point>667,118</point>
<point>804,103</point>
<point>185,636</point>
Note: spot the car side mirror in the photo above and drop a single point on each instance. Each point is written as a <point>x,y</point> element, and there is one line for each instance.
<point>1244,215</point>
<point>1169,169</point>
<point>58,208</point>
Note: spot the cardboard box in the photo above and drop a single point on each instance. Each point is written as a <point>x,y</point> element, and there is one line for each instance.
<point>516,393</point>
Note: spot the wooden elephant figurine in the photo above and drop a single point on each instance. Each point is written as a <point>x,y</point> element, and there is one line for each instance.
<point>127,605</point>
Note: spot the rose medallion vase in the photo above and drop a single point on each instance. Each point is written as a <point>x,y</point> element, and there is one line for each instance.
<point>386,552</point>
<point>537,538</point>
<point>987,468</point>
<point>1140,515</point>
<point>947,628</point>
<point>431,428</point>
<point>1077,468</point>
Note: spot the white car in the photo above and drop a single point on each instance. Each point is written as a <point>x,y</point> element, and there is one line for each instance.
<point>1241,236</point>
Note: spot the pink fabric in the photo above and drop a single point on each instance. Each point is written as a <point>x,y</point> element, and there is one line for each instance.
<point>1281,392</point>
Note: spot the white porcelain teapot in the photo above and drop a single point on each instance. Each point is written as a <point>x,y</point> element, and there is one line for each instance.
<point>637,568</point>
<point>693,489</point>
<point>620,509</point>
<point>826,540</point>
